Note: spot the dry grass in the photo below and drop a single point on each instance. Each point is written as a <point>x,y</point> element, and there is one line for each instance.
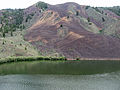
<point>16,46</point>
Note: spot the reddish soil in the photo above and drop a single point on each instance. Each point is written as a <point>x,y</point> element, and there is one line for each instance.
<point>78,42</point>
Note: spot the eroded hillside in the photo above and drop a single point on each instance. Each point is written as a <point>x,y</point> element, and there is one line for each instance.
<point>72,30</point>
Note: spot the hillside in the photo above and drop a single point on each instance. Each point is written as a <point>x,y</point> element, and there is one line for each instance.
<point>68,29</point>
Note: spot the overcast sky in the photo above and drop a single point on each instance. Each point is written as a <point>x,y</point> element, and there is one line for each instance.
<point>25,3</point>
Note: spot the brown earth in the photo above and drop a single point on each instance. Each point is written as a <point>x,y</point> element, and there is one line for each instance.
<point>75,37</point>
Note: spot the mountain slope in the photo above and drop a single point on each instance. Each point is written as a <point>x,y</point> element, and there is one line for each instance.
<point>74,31</point>
<point>70,30</point>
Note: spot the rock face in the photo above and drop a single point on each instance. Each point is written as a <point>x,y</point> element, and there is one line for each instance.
<point>74,31</point>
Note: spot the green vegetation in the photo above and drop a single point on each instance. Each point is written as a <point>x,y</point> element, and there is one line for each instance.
<point>105,13</point>
<point>115,9</point>
<point>10,21</point>
<point>77,13</point>
<point>25,48</point>
<point>87,7</point>
<point>68,17</point>
<point>42,5</point>
<point>90,23</point>
<point>103,19</point>
<point>13,46</point>
<point>88,19</point>
<point>29,17</point>
<point>61,25</point>
<point>19,59</point>
<point>77,58</point>
<point>97,9</point>
<point>101,31</point>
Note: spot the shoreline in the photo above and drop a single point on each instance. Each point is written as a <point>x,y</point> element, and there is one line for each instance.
<point>106,59</point>
<point>37,58</point>
<point>40,58</point>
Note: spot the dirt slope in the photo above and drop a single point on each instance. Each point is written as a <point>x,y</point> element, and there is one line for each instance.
<point>65,30</point>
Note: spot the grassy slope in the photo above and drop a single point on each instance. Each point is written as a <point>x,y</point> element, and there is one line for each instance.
<point>111,24</point>
<point>15,46</point>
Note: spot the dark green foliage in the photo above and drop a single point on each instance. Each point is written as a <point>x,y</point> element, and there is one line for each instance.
<point>101,31</point>
<point>88,19</point>
<point>19,59</point>
<point>90,23</point>
<point>61,25</point>
<point>103,19</point>
<point>4,34</point>
<point>22,27</point>
<point>87,7</point>
<point>10,20</point>
<point>11,33</point>
<point>97,9</point>
<point>19,17</point>
<point>77,13</point>
<point>105,13</point>
<point>32,14</point>
<point>0,29</point>
<point>3,43</point>
<point>20,44</point>
<point>42,5</point>
<point>77,58</point>
<point>68,17</point>
<point>28,17</point>
<point>25,48</point>
<point>115,9</point>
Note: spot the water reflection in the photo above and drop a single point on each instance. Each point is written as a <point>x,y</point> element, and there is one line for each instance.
<point>64,68</point>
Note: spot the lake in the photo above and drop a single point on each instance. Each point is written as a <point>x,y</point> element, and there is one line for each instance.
<point>60,75</point>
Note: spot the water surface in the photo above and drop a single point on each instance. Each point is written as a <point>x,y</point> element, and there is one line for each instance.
<point>59,75</point>
<point>60,67</point>
<point>108,81</point>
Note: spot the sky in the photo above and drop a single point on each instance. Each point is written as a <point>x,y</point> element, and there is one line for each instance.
<point>26,3</point>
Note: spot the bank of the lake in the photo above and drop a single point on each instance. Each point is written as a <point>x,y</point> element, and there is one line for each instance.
<point>37,58</point>
<point>40,58</point>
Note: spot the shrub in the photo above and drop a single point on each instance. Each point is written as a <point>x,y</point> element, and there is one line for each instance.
<point>103,19</point>
<point>51,12</point>
<point>77,58</point>
<point>88,19</point>
<point>28,18</point>
<point>90,23</point>
<point>77,13</point>
<point>20,44</point>
<point>87,7</point>
<point>101,30</point>
<point>68,17</point>
<point>42,5</point>
<point>3,43</point>
<point>11,33</point>
<point>4,34</point>
<point>61,25</point>
<point>25,48</point>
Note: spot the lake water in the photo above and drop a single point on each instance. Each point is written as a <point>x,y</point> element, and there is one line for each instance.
<point>77,75</point>
<point>108,81</point>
